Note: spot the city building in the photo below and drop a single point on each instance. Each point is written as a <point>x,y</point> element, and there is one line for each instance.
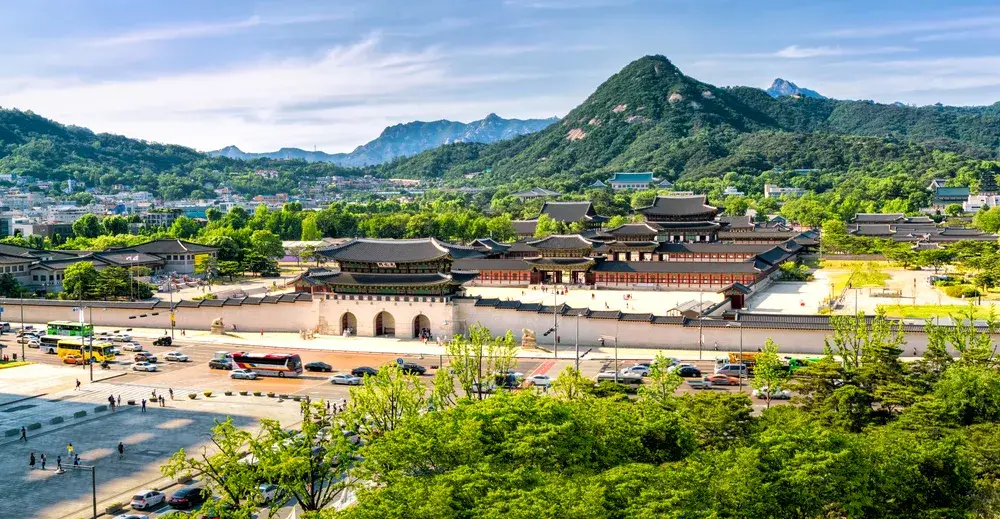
<point>161,217</point>
<point>732,191</point>
<point>945,196</point>
<point>624,181</point>
<point>535,192</point>
<point>775,191</point>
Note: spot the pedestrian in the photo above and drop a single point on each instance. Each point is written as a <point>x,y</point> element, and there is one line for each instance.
<point>143,405</point>
<point>119,400</point>
<point>76,460</point>
<point>261,332</point>
<point>31,461</point>
<point>121,450</point>
<point>24,433</point>
<point>154,394</point>
<point>69,450</point>
<point>43,461</point>
<point>163,401</point>
<point>77,385</point>
<point>59,463</point>
<point>171,390</point>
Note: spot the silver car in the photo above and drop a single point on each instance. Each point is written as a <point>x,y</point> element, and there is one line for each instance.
<point>345,379</point>
<point>245,374</point>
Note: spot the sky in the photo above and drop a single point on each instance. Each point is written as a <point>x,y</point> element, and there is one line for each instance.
<point>330,75</point>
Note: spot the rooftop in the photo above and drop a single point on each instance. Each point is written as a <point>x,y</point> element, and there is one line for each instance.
<point>371,250</point>
<point>679,206</point>
<point>568,212</point>
<point>631,178</point>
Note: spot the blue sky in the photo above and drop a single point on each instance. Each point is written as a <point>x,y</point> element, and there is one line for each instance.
<point>332,75</point>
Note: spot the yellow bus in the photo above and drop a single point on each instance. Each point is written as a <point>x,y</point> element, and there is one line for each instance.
<point>103,351</point>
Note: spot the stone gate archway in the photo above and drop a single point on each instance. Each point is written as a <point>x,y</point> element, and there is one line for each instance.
<point>385,325</point>
<point>421,323</point>
<point>348,324</point>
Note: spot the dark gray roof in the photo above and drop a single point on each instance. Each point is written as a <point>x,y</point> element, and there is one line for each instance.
<point>489,244</point>
<point>479,264</point>
<point>559,261</point>
<point>690,226</point>
<point>713,248</point>
<point>681,267</point>
<point>736,222</point>
<point>124,258</point>
<point>7,259</point>
<point>635,229</point>
<point>355,278</point>
<point>370,250</point>
<point>525,226</point>
<point>562,241</point>
<point>679,206</point>
<point>569,212</point>
<point>877,218</point>
<point>169,247</point>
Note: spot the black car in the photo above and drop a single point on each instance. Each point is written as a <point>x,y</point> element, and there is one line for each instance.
<point>413,369</point>
<point>220,364</point>
<point>163,341</point>
<point>688,371</point>
<point>185,498</point>
<point>364,370</point>
<point>319,366</point>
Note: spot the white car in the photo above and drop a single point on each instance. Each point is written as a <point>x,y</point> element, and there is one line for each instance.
<point>243,373</point>
<point>143,366</point>
<point>676,367</point>
<point>132,346</point>
<point>130,516</point>
<point>268,491</point>
<point>175,356</point>
<point>638,369</point>
<point>121,337</point>
<point>146,499</point>
<point>345,379</point>
<point>33,343</point>
<point>780,394</point>
<point>540,380</point>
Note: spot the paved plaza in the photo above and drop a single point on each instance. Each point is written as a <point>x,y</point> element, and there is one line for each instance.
<point>637,301</point>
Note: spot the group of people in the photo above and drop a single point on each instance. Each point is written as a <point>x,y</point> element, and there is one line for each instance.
<point>70,454</point>
<point>6,358</point>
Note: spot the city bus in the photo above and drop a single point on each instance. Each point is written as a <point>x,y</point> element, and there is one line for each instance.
<point>50,343</point>
<point>71,328</point>
<point>269,364</point>
<point>103,351</point>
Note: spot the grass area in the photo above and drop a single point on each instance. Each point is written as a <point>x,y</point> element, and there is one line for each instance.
<point>852,264</point>
<point>12,364</point>
<point>931,311</point>
<point>864,275</point>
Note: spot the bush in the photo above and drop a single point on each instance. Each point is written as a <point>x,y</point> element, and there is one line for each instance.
<point>206,297</point>
<point>244,393</point>
<point>34,426</point>
<point>207,393</point>
<point>270,394</point>
<point>257,393</point>
<point>228,393</point>
<point>56,420</point>
<point>192,396</point>
<point>79,414</point>
<point>961,291</point>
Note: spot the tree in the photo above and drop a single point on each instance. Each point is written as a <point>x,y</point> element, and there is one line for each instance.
<point>546,226</point>
<point>571,385</point>
<point>736,205</point>
<point>87,226</point>
<point>477,359</point>
<point>935,258</point>
<point>115,225</point>
<point>661,383</point>
<point>970,394</point>
<point>113,282</point>
<point>256,263</point>
<point>80,281</point>
<point>266,244</point>
<point>213,214</point>
<point>310,230</point>
<point>230,268</point>
<point>384,402</point>
<point>770,372</point>
<point>988,220</point>
<point>184,228</point>
<point>229,250</point>
<point>10,287</point>
<point>954,210</point>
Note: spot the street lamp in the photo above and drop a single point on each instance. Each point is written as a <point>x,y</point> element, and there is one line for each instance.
<point>614,338</point>
<point>578,316</point>
<point>93,483</point>
<point>742,365</point>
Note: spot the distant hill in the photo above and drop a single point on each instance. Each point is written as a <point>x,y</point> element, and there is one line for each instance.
<point>403,140</point>
<point>781,87</point>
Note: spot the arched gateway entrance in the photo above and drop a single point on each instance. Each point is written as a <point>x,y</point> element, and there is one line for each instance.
<point>348,324</point>
<point>385,325</point>
<point>421,327</point>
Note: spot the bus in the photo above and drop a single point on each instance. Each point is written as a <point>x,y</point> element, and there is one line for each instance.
<point>50,343</point>
<point>269,364</point>
<point>103,351</point>
<point>71,328</point>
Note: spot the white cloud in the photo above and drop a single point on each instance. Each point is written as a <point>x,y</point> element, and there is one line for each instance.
<point>201,30</point>
<point>257,106</point>
<point>798,52</point>
<point>897,28</point>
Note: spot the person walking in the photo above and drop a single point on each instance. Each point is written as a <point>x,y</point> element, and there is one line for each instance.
<point>24,434</point>
<point>119,400</point>
<point>171,390</point>
<point>143,405</point>
<point>121,451</point>
<point>31,461</point>
<point>59,463</point>
<point>77,385</point>
<point>76,460</point>
<point>69,450</point>
<point>42,459</point>
<point>163,401</point>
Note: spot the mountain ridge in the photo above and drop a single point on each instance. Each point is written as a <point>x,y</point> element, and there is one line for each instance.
<point>405,139</point>
<point>782,87</point>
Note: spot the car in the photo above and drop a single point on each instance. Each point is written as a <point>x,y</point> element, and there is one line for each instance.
<point>702,383</point>
<point>732,370</point>
<point>676,367</point>
<point>220,364</point>
<point>268,492</point>
<point>623,378</point>
<point>33,343</point>
<point>517,375</point>
<point>540,380</point>
<point>129,515</point>
<point>245,374</point>
<point>318,366</point>
<point>73,359</point>
<point>486,388</point>
<point>778,394</point>
<point>638,369</point>
<point>345,379</point>
<point>688,371</point>
<point>175,356</point>
<point>143,366</point>
<point>144,357</point>
<point>121,337</point>
<point>132,346</point>
<point>116,350</point>
<point>163,341</point>
<point>364,370</point>
<point>146,499</point>
<point>187,497</point>
<point>719,379</point>
<point>413,368</point>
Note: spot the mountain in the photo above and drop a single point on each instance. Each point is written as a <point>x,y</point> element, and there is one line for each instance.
<point>781,88</point>
<point>652,117</point>
<point>403,140</point>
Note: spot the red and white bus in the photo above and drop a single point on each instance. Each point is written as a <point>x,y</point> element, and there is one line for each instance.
<point>269,364</point>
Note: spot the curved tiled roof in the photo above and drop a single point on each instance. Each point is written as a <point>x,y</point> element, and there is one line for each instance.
<point>371,250</point>
<point>568,212</point>
<point>679,206</point>
<point>562,241</point>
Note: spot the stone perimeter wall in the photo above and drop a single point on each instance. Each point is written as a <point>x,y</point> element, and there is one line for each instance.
<point>445,319</point>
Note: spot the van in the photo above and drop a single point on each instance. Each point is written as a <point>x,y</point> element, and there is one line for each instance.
<point>732,370</point>
<point>5,327</point>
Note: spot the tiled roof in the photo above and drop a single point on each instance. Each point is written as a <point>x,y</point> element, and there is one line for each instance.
<point>952,192</point>
<point>682,267</point>
<point>489,244</point>
<point>562,241</point>
<point>525,226</point>
<point>169,247</point>
<point>635,229</point>
<point>713,248</point>
<point>631,178</point>
<point>559,261</point>
<point>356,278</point>
<point>877,218</point>
<point>128,258</point>
<point>736,222</point>
<point>569,212</point>
<point>479,264</point>
<point>371,250</point>
<point>535,192</point>
<point>7,259</point>
<point>678,206</point>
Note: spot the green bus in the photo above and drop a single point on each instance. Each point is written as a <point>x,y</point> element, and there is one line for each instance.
<point>71,328</point>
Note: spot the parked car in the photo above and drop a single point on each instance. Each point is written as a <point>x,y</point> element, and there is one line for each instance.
<point>143,366</point>
<point>703,383</point>
<point>220,364</point>
<point>540,380</point>
<point>364,370</point>
<point>163,341</point>
<point>486,388</point>
<point>345,379</point>
<point>121,337</point>
<point>33,343</point>
<point>319,366</point>
<point>268,491</point>
<point>719,379</point>
<point>175,356</point>
<point>732,370</point>
<point>146,499</point>
<point>779,394</point>
<point>674,367</point>
<point>245,374</point>
<point>144,357</point>
<point>132,346</point>
<point>688,371</point>
<point>73,359</point>
<point>187,497</point>
<point>413,368</point>
<point>638,369</point>
<point>622,378</point>
<point>130,515</point>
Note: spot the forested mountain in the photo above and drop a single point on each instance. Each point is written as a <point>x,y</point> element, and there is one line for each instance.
<point>782,87</point>
<point>650,116</point>
<point>404,140</point>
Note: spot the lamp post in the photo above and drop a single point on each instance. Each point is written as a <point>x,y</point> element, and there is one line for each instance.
<point>577,363</point>
<point>555,324</point>
<point>93,483</point>
<point>742,365</point>
<point>21,300</point>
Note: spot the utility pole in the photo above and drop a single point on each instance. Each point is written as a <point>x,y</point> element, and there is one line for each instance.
<point>555,325</point>
<point>93,482</point>
<point>577,363</point>
<point>170,290</point>
<point>21,300</point>
<point>91,340</point>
